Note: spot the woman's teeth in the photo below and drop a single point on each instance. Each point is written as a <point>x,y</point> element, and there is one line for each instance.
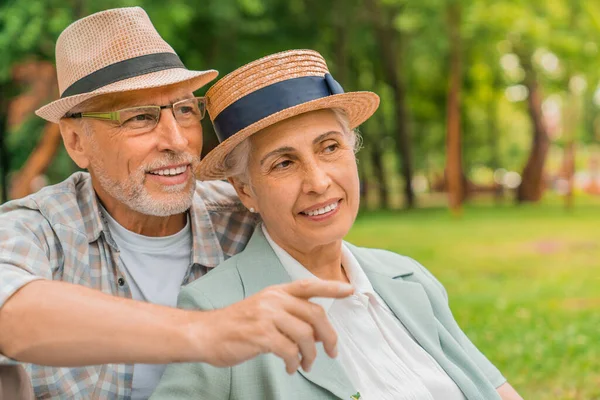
<point>170,171</point>
<point>321,211</point>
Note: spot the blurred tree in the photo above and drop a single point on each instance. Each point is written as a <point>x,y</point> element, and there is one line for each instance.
<point>532,185</point>
<point>393,47</point>
<point>40,79</point>
<point>28,32</point>
<point>454,171</point>
<point>389,42</point>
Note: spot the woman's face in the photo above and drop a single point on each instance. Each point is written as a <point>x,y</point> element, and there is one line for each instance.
<point>303,180</point>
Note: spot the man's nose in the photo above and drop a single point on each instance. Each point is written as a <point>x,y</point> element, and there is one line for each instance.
<point>172,135</point>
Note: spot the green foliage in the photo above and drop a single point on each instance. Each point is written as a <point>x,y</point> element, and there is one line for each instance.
<point>224,34</point>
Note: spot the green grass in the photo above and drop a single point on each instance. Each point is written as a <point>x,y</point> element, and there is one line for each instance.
<point>524,284</point>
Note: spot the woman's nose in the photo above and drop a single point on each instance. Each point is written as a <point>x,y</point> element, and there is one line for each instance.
<point>316,179</point>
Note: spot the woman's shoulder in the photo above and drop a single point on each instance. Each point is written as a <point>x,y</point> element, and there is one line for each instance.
<point>394,264</point>
<point>221,286</point>
<point>386,257</point>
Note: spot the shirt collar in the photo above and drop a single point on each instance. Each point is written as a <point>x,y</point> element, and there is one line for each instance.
<point>90,210</point>
<point>206,248</point>
<point>297,271</point>
<point>355,273</point>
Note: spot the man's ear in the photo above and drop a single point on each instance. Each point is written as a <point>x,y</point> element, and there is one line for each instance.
<point>245,193</point>
<point>73,134</point>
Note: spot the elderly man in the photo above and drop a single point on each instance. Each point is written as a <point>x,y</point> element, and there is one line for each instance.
<point>90,268</point>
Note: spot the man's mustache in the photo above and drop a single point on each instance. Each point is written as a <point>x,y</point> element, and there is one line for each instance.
<point>170,160</point>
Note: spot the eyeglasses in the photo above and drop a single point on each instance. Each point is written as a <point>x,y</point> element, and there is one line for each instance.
<point>187,113</point>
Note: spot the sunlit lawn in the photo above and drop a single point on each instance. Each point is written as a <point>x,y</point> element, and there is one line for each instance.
<point>524,284</point>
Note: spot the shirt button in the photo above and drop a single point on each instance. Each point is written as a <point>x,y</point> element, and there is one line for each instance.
<point>121,281</point>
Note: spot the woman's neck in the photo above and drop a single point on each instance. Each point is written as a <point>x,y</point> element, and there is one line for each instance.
<point>325,261</point>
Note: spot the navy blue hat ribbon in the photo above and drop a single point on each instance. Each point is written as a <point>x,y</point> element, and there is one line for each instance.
<point>272,99</point>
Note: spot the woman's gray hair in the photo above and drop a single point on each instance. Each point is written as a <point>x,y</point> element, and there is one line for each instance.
<point>236,162</point>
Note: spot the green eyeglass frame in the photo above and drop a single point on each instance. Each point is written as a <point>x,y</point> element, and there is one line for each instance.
<point>116,115</point>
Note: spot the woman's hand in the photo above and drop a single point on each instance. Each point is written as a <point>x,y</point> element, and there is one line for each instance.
<point>278,320</point>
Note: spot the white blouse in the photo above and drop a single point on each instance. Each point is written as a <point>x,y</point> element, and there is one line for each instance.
<point>374,349</point>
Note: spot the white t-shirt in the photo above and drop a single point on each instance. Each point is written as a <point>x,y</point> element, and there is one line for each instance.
<point>375,349</point>
<point>155,268</point>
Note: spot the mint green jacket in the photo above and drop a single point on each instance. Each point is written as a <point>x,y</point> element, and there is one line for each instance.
<point>417,299</point>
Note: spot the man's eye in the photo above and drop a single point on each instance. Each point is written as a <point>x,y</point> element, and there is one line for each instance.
<point>141,117</point>
<point>188,110</point>
<point>139,121</point>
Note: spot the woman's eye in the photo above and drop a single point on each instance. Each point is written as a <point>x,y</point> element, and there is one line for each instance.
<point>331,148</point>
<point>283,164</point>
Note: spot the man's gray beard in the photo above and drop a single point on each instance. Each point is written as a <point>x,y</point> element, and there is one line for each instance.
<point>134,195</point>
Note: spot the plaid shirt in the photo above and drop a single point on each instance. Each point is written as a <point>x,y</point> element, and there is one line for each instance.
<point>59,234</point>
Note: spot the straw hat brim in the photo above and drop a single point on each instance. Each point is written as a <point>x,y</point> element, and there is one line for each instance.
<point>358,106</point>
<point>54,111</point>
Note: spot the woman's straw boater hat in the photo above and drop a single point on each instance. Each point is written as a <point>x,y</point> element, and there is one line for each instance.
<point>114,51</point>
<point>270,90</point>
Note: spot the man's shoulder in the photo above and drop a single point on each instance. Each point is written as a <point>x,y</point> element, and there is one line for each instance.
<point>231,222</point>
<point>221,286</point>
<point>218,195</point>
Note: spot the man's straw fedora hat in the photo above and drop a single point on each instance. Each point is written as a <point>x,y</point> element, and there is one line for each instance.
<point>114,51</point>
<point>270,90</point>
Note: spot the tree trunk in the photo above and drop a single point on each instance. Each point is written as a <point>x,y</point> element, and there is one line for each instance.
<point>365,187</point>
<point>340,24</point>
<point>389,42</point>
<point>37,163</point>
<point>379,172</point>
<point>495,148</point>
<point>532,186</point>
<point>573,114</point>
<point>40,77</point>
<point>454,172</point>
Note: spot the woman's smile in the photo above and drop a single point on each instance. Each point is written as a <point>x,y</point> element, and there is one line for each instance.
<point>322,211</point>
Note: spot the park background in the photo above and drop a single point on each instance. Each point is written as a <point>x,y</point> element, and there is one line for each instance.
<point>483,161</point>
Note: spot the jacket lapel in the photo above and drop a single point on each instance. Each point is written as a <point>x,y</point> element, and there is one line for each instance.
<point>328,373</point>
<point>259,267</point>
<point>409,302</point>
<point>411,306</point>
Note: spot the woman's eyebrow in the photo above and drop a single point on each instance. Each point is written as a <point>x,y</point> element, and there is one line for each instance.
<point>287,149</point>
<point>275,152</point>
<point>325,136</point>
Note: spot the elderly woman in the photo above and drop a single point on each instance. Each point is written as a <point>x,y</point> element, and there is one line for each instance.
<point>288,147</point>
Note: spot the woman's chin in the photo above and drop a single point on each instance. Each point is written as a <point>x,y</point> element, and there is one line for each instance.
<point>325,235</point>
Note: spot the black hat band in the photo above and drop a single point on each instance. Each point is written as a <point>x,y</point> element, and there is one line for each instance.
<point>121,70</point>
